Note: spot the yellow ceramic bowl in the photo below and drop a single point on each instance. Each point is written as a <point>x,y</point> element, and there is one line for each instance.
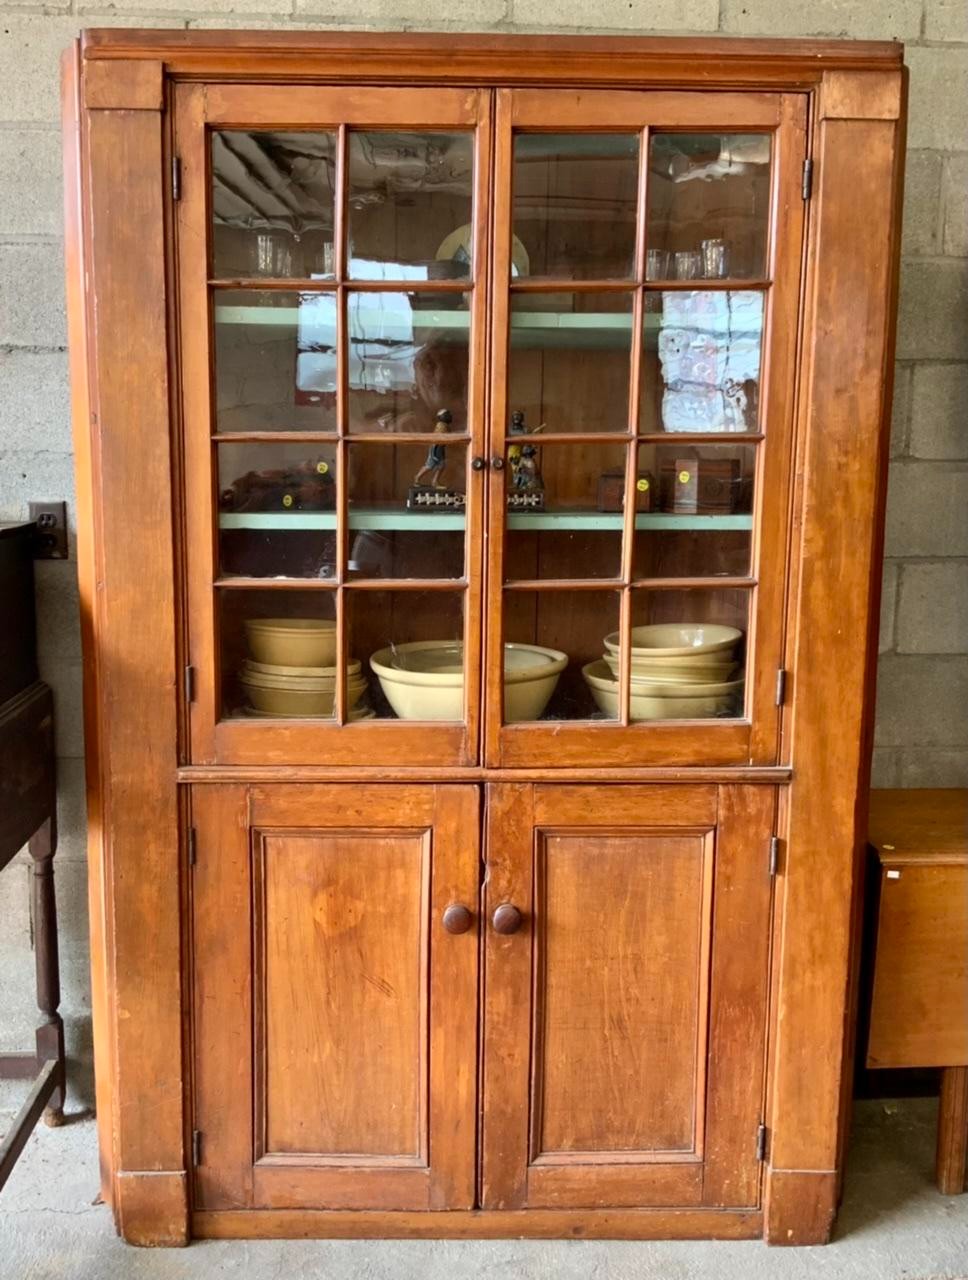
<point>353,668</point>
<point>424,680</point>
<point>678,640</point>
<point>676,670</point>
<point>285,697</point>
<point>292,642</point>
<point>662,701</point>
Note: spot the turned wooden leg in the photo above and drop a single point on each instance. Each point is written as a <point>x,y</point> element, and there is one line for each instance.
<point>50,1033</point>
<point>952,1131</point>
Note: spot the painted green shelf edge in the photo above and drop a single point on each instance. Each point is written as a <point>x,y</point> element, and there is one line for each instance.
<point>389,518</point>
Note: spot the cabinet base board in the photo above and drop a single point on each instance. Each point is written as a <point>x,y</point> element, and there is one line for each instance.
<point>480,1224</point>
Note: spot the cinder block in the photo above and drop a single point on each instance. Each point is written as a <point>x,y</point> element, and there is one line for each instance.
<point>125,7</point>
<point>939,411</point>
<point>926,505</point>
<point>886,20</point>
<point>30,49</point>
<point>31,161</point>
<point>35,401</point>
<point>884,767</point>
<point>938,93</point>
<point>42,476</point>
<point>901,409</point>
<point>946,20</point>
<point>921,701</point>
<point>933,309</point>
<point>637,15</point>
<point>58,621</point>
<point>393,13</point>
<point>932,610</point>
<point>920,767</point>
<point>888,603</point>
<point>33,310</point>
<point>954,198</point>
<point>64,678</point>
<point>71,811</point>
<point>922,202</point>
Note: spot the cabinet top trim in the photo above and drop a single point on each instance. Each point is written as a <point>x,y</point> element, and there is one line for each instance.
<point>491,59</point>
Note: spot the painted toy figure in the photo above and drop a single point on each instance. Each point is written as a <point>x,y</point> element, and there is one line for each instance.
<point>436,456</point>
<point>524,460</point>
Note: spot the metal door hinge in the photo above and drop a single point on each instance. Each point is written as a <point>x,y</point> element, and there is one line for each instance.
<point>189,677</point>
<point>176,177</point>
<point>774,854</point>
<point>196,1147</point>
<point>781,684</point>
<point>806,189</point>
<point>192,847</point>
<point>761,1134</point>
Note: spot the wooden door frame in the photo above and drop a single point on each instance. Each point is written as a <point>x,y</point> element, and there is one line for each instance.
<point>117,84</point>
<point>197,109</point>
<point>753,738</point>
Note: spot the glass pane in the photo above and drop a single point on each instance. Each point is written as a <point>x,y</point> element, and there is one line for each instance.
<point>277,510</point>
<point>561,519</point>
<point>407,510</point>
<point>551,639</point>
<point>275,361</point>
<point>408,361</point>
<point>272,204</point>
<point>709,204</point>
<point>701,361</point>
<point>278,653</point>
<point>575,205</point>
<point>694,507</point>
<point>688,654</point>
<point>569,362</point>
<point>410,206</point>
<point>411,644</point>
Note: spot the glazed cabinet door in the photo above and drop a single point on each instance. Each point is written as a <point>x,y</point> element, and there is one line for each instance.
<point>646,276</point>
<point>331,252</point>
<point>335,996</point>
<point>626,963</point>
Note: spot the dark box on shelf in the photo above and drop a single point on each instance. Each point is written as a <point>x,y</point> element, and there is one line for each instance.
<point>611,490</point>
<point>700,486</point>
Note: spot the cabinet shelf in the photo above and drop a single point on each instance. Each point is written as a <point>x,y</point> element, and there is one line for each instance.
<point>579,329</point>
<point>399,518</point>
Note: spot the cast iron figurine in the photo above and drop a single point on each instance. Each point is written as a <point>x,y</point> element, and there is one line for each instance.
<point>436,455</point>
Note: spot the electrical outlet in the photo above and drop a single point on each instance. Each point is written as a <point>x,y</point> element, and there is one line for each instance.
<point>51,521</point>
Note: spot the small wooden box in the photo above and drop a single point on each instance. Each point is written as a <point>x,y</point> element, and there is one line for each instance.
<point>700,486</point>
<point>611,490</point>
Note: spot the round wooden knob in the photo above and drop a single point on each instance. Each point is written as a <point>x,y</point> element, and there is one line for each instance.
<point>497,462</point>
<point>457,918</point>
<point>506,918</point>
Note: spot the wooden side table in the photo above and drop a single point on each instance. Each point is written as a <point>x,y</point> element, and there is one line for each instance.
<point>28,816</point>
<point>919,1004</point>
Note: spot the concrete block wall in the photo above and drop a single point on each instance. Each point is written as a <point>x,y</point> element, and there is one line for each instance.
<point>922,725</point>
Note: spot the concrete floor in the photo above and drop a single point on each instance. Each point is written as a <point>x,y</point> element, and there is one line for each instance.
<point>893,1226</point>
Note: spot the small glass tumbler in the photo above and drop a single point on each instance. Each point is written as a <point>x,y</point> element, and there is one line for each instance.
<point>714,259</point>
<point>688,263</point>
<point>273,254</point>
<point>657,264</point>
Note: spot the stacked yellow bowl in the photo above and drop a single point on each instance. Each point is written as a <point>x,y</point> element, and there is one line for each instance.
<point>424,680</point>
<point>292,670</point>
<point>678,671</point>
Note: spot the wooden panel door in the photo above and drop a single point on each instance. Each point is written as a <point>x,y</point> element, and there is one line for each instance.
<point>335,1014</point>
<point>625,999</point>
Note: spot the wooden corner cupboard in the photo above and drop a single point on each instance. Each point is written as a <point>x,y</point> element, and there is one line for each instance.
<point>481,447</point>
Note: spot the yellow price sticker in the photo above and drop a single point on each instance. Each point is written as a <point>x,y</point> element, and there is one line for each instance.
<point>322,467</point>
<point>642,486</point>
<point>287,499</point>
<point>684,477</point>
